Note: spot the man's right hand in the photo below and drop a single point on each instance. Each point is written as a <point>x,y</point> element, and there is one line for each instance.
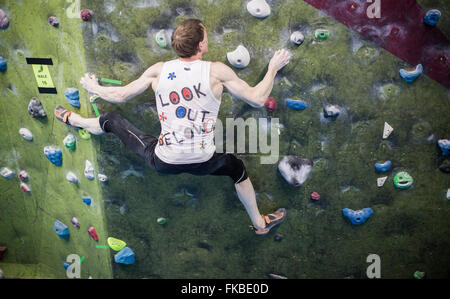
<point>279,60</point>
<point>89,82</point>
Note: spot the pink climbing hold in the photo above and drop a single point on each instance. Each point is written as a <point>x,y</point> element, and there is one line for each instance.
<point>25,188</point>
<point>315,196</point>
<point>86,14</point>
<point>23,176</point>
<point>270,104</point>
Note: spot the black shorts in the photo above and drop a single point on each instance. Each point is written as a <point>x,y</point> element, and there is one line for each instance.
<point>144,145</point>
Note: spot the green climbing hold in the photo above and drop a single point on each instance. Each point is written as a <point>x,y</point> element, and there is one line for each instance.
<point>322,34</point>
<point>116,244</point>
<point>419,275</point>
<point>403,180</point>
<point>161,39</point>
<point>161,220</point>
<point>70,142</point>
<point>84,134</point>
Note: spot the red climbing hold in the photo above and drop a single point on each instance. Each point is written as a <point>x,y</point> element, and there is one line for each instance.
<point>93,233</point>
<point>86,14</point>
<point>315,196</point>
<point>2,251</point>
<point>270,104</point>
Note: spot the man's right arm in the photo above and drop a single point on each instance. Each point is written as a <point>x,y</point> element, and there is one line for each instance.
<point>123,93</point>
<point>255,96</point>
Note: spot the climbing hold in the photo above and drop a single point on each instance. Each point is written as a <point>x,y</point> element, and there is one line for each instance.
<point>270,104</point>
<point>35,108</point>
<point>448,194</point>
<point>410,76</point>
<point>25,188</point>
<point>84,134</point>
<point>380,181</point>
<point>387,130</point>
<point>66,266</point>
<point>403,180</point>
<point>86,14</point>
<point>72,97</point>
<point>7,173</point>
<point>445,167</point>
<point>297,37</point>
<point>75,222</point>
<point>53,154</point>
<point>295,170</point>
<point>116,244</point>
<point>3,249</point>
<point>53,21</point>
<point>125,256</point>
<point>419,275</point>
<point>71,177</point>
<point>296,104</point>
<point>383,167</point>
<point>161,220</point>
<point>331,111</point>
<point>359,216</point>
<point>102,178</point>
<point>432,17</point>
<point>160,38</point>
<point>61,229</point>
<point>315,196</point>
<point>4,22</point>
<point>278,237</point>
<point>26,134</point>
<point>444,144</point>
<point>70,142</point>
<point>23,176</point>
<point>321,34</point>
<point>276,276</point>
<point>89,170</point>
<point>93,233</point>
<point>258,8</point>
<point>87,200</point>
<point>3,64</point>
<point>239,58</point>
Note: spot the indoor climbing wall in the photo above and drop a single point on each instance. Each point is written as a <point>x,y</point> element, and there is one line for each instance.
<point>335,102</point>
<point>34,249</point>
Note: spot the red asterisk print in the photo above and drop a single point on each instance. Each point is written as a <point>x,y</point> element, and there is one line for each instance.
<point>162,117</point>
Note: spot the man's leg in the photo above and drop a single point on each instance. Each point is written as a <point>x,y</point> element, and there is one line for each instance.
<point>247,196</point>
<point>90,124</point>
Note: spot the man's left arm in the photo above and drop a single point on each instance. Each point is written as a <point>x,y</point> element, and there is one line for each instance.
<point>123,93</point>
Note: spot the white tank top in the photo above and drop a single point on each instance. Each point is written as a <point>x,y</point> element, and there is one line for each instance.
<point>187,111</point>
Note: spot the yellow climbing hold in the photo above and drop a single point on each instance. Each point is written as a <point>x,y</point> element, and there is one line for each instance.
<point>116,244</point>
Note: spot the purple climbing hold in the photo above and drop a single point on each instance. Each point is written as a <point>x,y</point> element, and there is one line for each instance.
<point>53,21</point>
<point>75,222</point>
<point>86,14</point>
<point>4,22</point>
<point>3,64</point>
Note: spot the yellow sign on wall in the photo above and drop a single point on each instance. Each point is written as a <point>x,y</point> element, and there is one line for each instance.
<point>42,74</point>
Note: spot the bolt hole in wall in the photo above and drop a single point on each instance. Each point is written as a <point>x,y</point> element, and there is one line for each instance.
<point>352,95</point>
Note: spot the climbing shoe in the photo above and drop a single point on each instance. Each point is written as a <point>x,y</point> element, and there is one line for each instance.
<point>62,115</point>
<point>271,220</point>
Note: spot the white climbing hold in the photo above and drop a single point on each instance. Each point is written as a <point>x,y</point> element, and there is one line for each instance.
<point>89,170</point>
<point>71,177</point>
<point>387,130</point>
<point>26,134</point>
<point>448,193</point>
<point>240,57</point>
<point>297,37</point>
<point>6,172</point>
<point>102,178</point>
<point>380,181</point>
<point>258,8</point>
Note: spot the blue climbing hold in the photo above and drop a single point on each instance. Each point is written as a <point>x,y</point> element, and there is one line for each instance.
<point>383,167</point>
<point>125,256</point>
<point>432,17</point>
<point>410,76</point>
<point>66,266</point>
<point>3,64</point>
<point>296,104</point>
<point>53,154</point>
<point>61,229</point>
<point>444,144</point>
<point>72,97</point>
<point>86,200</point>
<point>357,217</point>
